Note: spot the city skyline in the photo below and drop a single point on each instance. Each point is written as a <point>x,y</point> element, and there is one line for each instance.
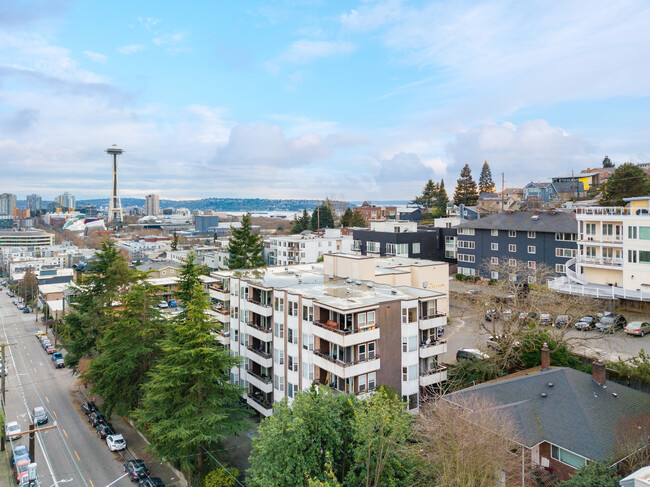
<point>363,102</point>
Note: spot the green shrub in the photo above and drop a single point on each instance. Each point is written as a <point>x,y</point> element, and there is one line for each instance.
<point>220,478</point>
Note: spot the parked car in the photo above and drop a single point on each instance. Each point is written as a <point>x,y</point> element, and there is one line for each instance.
<point>50,350</point>
<point>40,333</point>
<point>173,303</point>
<point>610,322</point>
<point>39,415</point>
<point>470,354</point>
<point>163,304</point>
<point>10,429</point>
<point>562,320</point>
<point>152,482</point>
<point>88,407</point>
<point>25,310</point>
<point>19,453</point>
<point>585,323</point>
<point>494,342</point>
<point>639,328</point>
<point>104,430</point>
<point>136,469</point>
<point>115,442</point>
<point>544,318</point>
<point>95,418</point>
<point>20,469</point>
<point>59,363</point>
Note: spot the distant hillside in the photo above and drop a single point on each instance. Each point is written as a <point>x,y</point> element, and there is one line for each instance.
<point>218,204</point>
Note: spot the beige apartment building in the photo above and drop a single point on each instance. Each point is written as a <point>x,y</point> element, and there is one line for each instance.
<point>613,258</point>
<point>351,323</point>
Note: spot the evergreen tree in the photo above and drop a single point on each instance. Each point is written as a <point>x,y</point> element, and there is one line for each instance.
<point>592,474</point>
<point>627,181</point>
<point>428,197</point>
<point>466,192</point>
<point>99,287</point>
<point>441,198</point>
<point>301,224</point>
<point>357,220</point>
<point>485,182</point>
<point>174,244</point>
<point>322,218</point>
<point>607,162</point>
<point>189,405</point>
<point>347,218</point>
<point>129,347</point>
<point>245,247</point>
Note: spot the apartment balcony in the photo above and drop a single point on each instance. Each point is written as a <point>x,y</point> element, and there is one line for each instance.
<point>218,292</point>
<point>608,240</point>
<point>259,332</point>
<point>345,370</point>
<point>432,376</point>
<point>345,338</point>
<point>223,337</point>
<point>261,309</point>
<point>221,313</point>
<point>259,404</point>
<point>365,394</point>
<point>260,357</point>
<point>262,382</point>
<point>432,349</point>
<point>607,262</point>
<point>432,321</point>
<point>604,211</point>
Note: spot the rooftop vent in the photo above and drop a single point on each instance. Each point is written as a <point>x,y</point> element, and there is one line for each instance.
<point>393,291</point>
<point>614,394</point>
<point>348,281</point>
<point>534,217</point>
<point>550,384</point>
<point>369,285</point>
<point>331,277</point>
<point>358,283</point>
<point>348,290</point>
<point>543,394</point>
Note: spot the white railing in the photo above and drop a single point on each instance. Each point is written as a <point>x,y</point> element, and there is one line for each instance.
<point>603,210</point>
<point>564,285</point>
<point>571,274</point>
<point>612,261</point>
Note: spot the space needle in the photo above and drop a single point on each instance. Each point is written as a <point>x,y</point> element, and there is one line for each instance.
<point>115,205</point>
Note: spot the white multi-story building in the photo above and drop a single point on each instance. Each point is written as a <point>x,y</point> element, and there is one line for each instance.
<point>66,200</point>
<point>152,205</point>
<point>308,247</point>
<point>351,323</point>
<point>613,258</point>
<point>7,204</point>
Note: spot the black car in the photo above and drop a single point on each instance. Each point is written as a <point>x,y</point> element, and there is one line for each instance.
<point>152,482</point>
<point>88,407</point>
<point>96,418</point>
<point>136,469</point>
<point>104,429</point>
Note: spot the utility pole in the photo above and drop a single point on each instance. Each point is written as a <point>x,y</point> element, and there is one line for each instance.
<point>503,190</point>
<point>2,384</point>
<point>32,431</point>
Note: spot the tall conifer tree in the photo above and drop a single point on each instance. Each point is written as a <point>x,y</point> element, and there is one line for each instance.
<point>485,182</point>
<point>466,192</point>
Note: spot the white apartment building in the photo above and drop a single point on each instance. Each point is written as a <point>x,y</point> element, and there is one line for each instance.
<point>25,238</point>
<point>351,323</point>
<point>613,258</point>
<point>152,205</point>
<point>308,247</point>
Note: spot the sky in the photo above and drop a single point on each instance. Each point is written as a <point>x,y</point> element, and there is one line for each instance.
<point>362,100</point>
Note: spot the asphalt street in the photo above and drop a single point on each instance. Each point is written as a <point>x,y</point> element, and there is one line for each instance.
<point>71,454</point>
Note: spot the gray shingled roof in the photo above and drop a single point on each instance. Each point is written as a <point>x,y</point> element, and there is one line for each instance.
<point>156,266</point>
<point>524,221</point>
<point>577,413</point>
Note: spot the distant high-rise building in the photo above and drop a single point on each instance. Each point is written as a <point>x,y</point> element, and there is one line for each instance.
<point>89,210</point>
<point>7,204</point>
<point>115,204</point>
<point>34,203</point>
<point>152,205</point>
<point>202,223</point>
<point>66,200</point>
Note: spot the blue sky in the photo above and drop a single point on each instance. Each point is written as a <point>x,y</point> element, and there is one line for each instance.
<point>291,99</point>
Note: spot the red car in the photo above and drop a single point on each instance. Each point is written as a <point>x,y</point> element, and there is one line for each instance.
<point>50,350</point>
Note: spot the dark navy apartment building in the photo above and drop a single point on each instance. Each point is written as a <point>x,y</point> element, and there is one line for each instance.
<point>516,238</point>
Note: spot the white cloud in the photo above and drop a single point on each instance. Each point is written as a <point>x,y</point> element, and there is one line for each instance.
<point>95,56</point>
<point>533,150</point>
<point>130,49</point>
<point>306,50</point>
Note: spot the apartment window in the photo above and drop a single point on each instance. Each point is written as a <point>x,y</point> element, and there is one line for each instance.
<point>494,232</point>
<point>235,312</point>
<point>362,352</point>
<point>307,341</point>
<point>590,228</point>
<point>531,279</point>
<point>244,291</point>
<point>494,260</point>
<point>565,237</point>
<point>467,271</point>
<point>466,244</point>
<point>512,248</point>
<point>566,253</point>
<point>292,308</point>
<point>362,383</point>
<point>409,373</point>
<point>372,247</point>
<point>292,336</point>
<point>235,335</point>
<point>465,231</point>
<point>608,229</point>
<point>409,315</point>
<point>370,318</point>
<point>560,268</point>
<point>402,249</point>
<point>531,264</point>
<point>292,389</point>
<point>644,233</point>
<point>644,257</point>
<point>494,246</point>
<point>356,245</point>
<point>245,316</point>
<point>390,249</point>
<point>292,363</point>
<point>632,256</point>
<point>590,251</point>
<point>278,356</point>
<point>279,304</point>
<point>512,233</point>
<point>494,275</point>
<point>532,234</point>
<point>632,233</point>
<point>466,258</point>
<point>278,382</point>
<point>512,262</point>
<point>278,330</point>
<point>565,456</point>
<point>308,313</point>
<point>371,350</point>
<point>409,344</point>
<point>416,248</point>
<point>307,371</point>
<point>531,249</point>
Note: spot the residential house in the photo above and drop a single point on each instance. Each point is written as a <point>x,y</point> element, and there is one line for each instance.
<point>373,212</point>
<point>494,202</point>
<point>351,323</point>
<point>308,247</point>
<point>534,238</point>
<point>565,418</point>
<point>157,270</point>
<point>537,194</point>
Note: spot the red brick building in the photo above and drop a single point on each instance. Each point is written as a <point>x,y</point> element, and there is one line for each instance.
<point>373,212</point>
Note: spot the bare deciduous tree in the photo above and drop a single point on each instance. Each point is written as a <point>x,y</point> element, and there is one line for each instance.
<point>468,443</point>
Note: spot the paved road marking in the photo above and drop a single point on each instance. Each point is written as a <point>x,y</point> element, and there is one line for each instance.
<point>91,482</point>
<point>66,434</point>
<point>31,360</point>
<point>54,412</point>
<point>47,399</point>
<point>34,369</point>
<point>75,452</point>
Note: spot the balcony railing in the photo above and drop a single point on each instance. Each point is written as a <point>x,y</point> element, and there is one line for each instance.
<point>261,401</point>
<point>432,316</point>
<point>259,303</point>
<point>218,287</point>
<point>341,362</point>
<point>612,210</point>
<point>259,352</point>
<point>613,261</point>
<point>426,371</point>
<point>333,388</point>
<point>259,327</point>
<point>345,332</point>
<point>432,343</point>
<point>263,378</point>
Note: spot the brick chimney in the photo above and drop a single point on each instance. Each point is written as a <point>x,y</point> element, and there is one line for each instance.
<point>598,372</point>
<point>546,357</point>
